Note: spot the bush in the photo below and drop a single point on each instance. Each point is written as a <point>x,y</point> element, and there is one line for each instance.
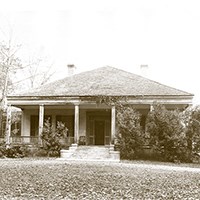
<point>130,134</point>
<point>53,139</point>
<point>167,134</point>
<point>191,119</point>
<point>39,152</point>
<point>12,151</point>
<point>2,150</point>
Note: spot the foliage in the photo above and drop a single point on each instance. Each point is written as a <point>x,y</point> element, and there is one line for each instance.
<point>39,70</point>
<point>54,179</point>
<point>110,100</point>
<point>39,152</point>
<point>9,64</point>
<point>191,119</point>
<point>167,133</point>
<point>12,151</point>
<point>130,134</point>
<point>52,139</point>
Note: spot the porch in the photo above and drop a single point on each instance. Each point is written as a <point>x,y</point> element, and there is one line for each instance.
<point>87,124</point>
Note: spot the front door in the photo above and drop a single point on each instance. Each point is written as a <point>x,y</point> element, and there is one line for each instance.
<point>99,132</point>
<point>98,128</point>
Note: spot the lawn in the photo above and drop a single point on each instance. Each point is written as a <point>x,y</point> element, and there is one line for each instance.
<point>57,179</point>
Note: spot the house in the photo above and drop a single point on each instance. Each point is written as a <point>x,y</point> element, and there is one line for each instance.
<point>73,100</point>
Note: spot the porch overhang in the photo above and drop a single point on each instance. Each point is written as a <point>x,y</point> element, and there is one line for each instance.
<point>20,101</point>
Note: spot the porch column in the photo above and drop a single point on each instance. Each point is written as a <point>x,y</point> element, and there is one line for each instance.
<point>8,126</point>
<point>113,121</point>
<point>41,123</point>
<point>151,108</point>
<point>76,124</point>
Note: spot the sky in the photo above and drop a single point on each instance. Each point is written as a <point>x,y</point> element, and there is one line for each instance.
<point>163,34</point>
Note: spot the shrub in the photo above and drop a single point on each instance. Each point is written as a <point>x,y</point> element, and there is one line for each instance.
<point>39,152</point>
<point>12,151</point>
<point>167,134</point>
<point>130,134</point>
<point>2,150</point>
<point>191,119</point>
<point>52,139</point>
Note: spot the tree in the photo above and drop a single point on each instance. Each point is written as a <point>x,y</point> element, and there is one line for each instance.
<point>9,64</point>
<point>191,119</point>
<point>130,134</point>
<point>38,71</point>
<point>167,133</point>
<point>52,139</point>
<point>11,69</point>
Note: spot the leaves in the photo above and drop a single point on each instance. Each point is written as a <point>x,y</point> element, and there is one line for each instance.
<point>167,133</point>
<point>192,125</point>
<point>54,179</point>
<point>130,134</point>
<point>52,138</point>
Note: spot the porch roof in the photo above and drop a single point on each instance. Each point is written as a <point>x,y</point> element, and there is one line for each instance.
<point>106,81</point>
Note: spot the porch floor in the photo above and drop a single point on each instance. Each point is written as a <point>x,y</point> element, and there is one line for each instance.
<point>91,153</point>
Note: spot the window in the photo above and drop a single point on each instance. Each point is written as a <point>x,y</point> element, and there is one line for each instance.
<point>34,125</point>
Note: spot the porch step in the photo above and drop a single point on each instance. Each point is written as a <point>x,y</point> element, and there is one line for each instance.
<point>91,153</point>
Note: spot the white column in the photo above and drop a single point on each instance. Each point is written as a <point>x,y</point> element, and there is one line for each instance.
<point>41,123</point>
<point>151,108</point>
<point>8,126</point>
<point>113,122</point>
<point>76,124</point>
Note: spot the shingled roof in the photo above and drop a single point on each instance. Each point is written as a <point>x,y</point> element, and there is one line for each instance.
<point>107,81</point>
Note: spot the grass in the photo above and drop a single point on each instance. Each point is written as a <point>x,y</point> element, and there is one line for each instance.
<point>56,179</point>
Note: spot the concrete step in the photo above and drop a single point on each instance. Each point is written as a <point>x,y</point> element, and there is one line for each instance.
<point>91,153</point>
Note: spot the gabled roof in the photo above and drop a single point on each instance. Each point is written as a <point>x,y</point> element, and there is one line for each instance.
<point>107,81</point>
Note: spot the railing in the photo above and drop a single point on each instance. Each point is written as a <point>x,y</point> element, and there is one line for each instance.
<point>23,140</point>
<point>32,140</point>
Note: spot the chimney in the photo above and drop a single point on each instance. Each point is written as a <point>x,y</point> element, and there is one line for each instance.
<point>144,70</point>
<point>71,69</point>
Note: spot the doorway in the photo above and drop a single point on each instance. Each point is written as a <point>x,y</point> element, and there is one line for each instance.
<point>99,132</point>
<point>98,127</point>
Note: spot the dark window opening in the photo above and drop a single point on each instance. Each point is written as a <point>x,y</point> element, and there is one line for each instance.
<point>143,122</point>
<point>68,120</point>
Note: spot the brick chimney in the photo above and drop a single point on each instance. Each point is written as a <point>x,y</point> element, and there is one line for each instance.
<point>71,69</point>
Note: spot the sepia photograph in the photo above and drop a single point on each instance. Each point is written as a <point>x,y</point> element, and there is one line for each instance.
<point>99,99</point>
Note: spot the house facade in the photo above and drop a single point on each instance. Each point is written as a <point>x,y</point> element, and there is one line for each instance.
<point>74,101</point>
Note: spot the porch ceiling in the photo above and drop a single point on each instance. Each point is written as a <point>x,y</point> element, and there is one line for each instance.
<point>61,107</point>
<point>95,107</point>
